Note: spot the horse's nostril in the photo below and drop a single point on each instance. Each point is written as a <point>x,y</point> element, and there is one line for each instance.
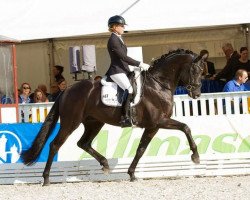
<point>197,96</point>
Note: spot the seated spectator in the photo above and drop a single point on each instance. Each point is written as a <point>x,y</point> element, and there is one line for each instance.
<point>39,96</point>
<point>237,84</point>
<point>247,86</point>
<point>44,89</point>
<point>41,87</point>
<point>228,72</point>
<point>210,69</point>
<point>243,62</point>
<point>62,85</point>
<point>25,92</point>
<point>6,100</point>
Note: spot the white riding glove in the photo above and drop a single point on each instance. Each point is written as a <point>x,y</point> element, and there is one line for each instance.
<point>144,66</point>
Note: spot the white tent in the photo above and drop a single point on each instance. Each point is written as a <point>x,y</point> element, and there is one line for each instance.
<point>156,25</point>
<point>38,19</point>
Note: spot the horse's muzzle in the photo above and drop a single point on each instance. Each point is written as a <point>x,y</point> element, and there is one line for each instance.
<point>195,93</point>
<point>196,96</point>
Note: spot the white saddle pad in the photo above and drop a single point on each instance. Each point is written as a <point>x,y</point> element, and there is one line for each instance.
<point>109,94</point>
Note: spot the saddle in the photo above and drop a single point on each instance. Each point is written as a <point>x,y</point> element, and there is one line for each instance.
<point>113,95</point>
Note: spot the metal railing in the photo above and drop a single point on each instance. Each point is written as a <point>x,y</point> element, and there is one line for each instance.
<point>33,112</point>
<point>212,104</point>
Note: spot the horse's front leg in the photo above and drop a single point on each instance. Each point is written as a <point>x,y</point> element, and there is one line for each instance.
<point>147,136</point>
<point>168,123</point>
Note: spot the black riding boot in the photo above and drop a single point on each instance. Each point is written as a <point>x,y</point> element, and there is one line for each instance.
<point>126,119</point>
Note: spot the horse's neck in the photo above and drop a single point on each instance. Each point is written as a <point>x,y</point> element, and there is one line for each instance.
<point>155,83</point>
<point>170,80</point>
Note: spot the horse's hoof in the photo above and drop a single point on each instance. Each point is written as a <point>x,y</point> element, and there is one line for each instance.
<point>105,170</point>
<point>133,179</point>
<point>46,183</point>
<point>195,159</point>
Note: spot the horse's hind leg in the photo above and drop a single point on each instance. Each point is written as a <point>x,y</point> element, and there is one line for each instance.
<point>147,136</point>
<point>173,124</point>
<point>92,128</point>
<point>54,147</point>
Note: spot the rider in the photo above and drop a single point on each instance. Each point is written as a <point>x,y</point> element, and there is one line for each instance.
<point>119,69</point>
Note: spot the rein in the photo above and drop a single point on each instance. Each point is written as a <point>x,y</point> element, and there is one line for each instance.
<point>156,80</point>
<point>189,86</point>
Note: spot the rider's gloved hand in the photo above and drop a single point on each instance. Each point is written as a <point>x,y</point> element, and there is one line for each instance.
<point>144,66</point>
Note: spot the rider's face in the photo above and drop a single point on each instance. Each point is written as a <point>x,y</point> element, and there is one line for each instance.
<point>119,29</point>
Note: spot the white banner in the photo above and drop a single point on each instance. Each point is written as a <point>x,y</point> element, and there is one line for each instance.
<point>214,136</point>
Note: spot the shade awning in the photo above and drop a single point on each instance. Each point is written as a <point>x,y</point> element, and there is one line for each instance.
<point>36,19</point>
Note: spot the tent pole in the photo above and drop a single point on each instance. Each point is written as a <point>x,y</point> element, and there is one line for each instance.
<point>51,63</point>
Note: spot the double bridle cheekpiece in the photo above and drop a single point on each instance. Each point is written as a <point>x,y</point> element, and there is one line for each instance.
<point>191,85</point>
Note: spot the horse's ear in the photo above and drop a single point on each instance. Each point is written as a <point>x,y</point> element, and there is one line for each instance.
<point>197,59</point>
<point>204,57</point>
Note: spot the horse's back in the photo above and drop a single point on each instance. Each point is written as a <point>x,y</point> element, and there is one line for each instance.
<point>75,98</point>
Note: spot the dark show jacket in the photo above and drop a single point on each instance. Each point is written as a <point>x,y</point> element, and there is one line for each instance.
<point>210,68</point>
<point>228,71</point>
<point>240,65</point>
<point>118,55</point>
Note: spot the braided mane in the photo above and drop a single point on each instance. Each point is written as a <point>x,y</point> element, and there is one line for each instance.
<point>170,54</point>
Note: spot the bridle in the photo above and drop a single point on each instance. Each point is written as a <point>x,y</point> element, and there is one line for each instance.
<point>156,80</point>
<point>190,86</point>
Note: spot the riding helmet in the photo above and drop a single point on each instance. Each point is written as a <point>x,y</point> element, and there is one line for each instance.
<point>117,19</point>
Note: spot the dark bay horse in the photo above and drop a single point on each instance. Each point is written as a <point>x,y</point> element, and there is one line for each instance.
<point>81,103</point>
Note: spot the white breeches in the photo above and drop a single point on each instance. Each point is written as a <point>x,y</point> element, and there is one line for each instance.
<point>122,80</point>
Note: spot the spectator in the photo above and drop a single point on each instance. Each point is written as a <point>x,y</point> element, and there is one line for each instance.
<point>39,96</point>
<point>62,85</point>
<point>210,70</point>
<point>6,99</point>
<point>43,88</point>
<point>237,84</point>
<point>243,62</point>
<point>25,92</point>
<point>228,72</point>
<point>57,71</point>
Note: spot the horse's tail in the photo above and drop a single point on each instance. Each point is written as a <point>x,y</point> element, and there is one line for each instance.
<point>30,156</point>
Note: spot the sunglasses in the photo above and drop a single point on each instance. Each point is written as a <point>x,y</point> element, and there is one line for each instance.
<point>26,88</point>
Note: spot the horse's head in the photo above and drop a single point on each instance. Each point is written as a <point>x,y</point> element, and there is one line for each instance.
<point>179,66</point>
<point>192,77</point>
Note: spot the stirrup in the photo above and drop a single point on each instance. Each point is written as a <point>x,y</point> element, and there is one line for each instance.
<point>126,122</point>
